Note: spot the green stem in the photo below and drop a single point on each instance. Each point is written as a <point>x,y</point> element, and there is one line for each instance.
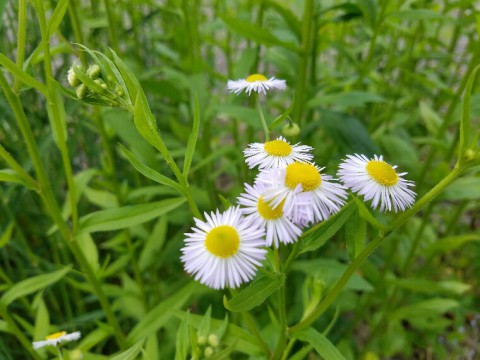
<point>21,37</point>
<point>262,118</point>
<point>17,168</point>
<point>282,312</point>
<point>17,332</point>
<point>60,356</point>
<point>112,31</point>
<point>338,287</point>
<point>289,347</point>
<point>307,21</point>
<point>77,29</point>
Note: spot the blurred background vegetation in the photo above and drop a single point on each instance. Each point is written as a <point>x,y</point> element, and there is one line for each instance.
<point>368,76</point>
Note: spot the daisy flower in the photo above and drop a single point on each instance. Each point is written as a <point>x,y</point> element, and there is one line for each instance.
<point>56,338</point>
<point>278,227</point>
<point>378,181</point>
<point>255,82</point>
<point>223,251</point>
<point>308,195</point>
<point>276,153</point>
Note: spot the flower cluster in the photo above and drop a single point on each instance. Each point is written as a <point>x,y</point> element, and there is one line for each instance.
<point>289,193</point>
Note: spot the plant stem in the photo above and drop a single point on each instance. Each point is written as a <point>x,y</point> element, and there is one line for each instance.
<point>337,288</point>
<point>262,118</point>
<point>21,36</point>
<point>112,31</point>
<point>307,21</point>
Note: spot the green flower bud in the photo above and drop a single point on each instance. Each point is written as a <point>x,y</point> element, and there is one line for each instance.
<point>93,71</point>
<point>202,340</point>
<point>291,130</point>
<point>81,91</point>
<point>102,84</point>
<point>470,155</point>
<point>119,91</point>
<point>72,78</point>
<point>208,351</point>
<point>213,340</point>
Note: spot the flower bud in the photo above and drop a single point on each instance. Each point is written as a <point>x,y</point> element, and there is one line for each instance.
<point>72,78</point>
<point>119,91</point>
<point>213,340</point>
<point>291,130</point>
<point>81,91</point>
<point>202,340</point>
<point>470,155</point>
<point>208,351</point>
<point>93,71</point>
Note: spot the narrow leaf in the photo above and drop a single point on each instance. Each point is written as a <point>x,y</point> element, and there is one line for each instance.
<point>256,293</point>
<point>183,338</point>
<point>278,121</point>
<point>192,140</point>
<point>56,17</point>
<point>33,284</point>
<point>22,75</point>
<point>465,122</point>
<point>147,171</point>
<point>320,343</point>
<point>355,233</point>
<point>131,353</point>
<point>367,215</point>
<point>7,234</point>
<point>126,216</point>
<point>320,234</point>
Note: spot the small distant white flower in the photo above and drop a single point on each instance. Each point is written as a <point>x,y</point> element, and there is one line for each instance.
<point>255,82</point>
<point>225,250</point>
<point>57,338</point>
<point>308,195</point>
<point>276,153</point>
<point>377,181</point>
<point>278,227</point>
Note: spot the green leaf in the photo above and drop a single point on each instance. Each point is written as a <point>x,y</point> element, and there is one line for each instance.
<point>465,121</point>
<point>278,121</point>
<point>56,17</point>
<point>426,308</point>
<point>256,293</point>
<point>183,338</point>
<point>239,337</point>
<point>365,213</point>
<point>451,243</point>
<point>329,271</point>
<point>57,118</point>
<point>431,119</point>
<point>192,140</point>
<point>22,75</point>
<point>355,234</point>
<point>320,343</point>
<point>290,19</point>
<point>126,216</point>
<point>11,176</point>
<point>257,33</point>
<point>131,353</point>
<point>7,234</point>
<point>33,284</point>
<point>345,100</point>
<point>462,189</point>
<point>431,287</point>
<point>128,77</point>
<point>204,328</point>
<point>321,233</point>
<point>147,171</point>
<point>162,312</point>
<point>153,244</point>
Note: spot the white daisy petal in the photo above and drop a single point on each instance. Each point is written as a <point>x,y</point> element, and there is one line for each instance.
<point>377,181</point>
<point>307,195</point>
<point>279,229</point>
<point>276,154</point>
<point>225,250</point>
<point>55,339</point>
<point>256,82</point>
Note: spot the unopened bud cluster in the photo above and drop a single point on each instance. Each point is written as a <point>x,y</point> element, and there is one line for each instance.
<point>210,343</point>
<point>83,90</point>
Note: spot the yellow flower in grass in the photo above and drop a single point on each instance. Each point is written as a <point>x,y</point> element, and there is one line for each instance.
<point>378,181</point>
<point>55,339</point>
<point>256,82</point>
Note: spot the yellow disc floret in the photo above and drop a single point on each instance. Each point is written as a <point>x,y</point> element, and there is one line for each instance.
<point>56,335</point>
<point>277,148</point>
<point>222,241</point>
<point>267,212</point>
<point>302,173</point>
<point>382,173</point>
<point>256,77</point>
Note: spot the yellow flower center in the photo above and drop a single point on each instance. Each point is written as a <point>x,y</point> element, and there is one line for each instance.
<point>277,148</point>
<point>267,212</point>
<point>56,335</point>
<point>382,173</point>
<point>256,77</point>
<point>302,173</point>
<point>222,241</point>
